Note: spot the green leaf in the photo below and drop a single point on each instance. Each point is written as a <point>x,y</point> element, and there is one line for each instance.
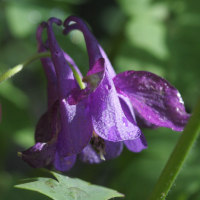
<point>67,188</point>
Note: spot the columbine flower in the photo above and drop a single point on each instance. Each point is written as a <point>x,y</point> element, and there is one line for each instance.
<point>95,121</point>
<point>155,101</point>
<point>64,130</point>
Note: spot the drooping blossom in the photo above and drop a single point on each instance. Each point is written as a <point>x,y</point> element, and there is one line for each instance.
<point>153,99</point>
<point>65,130</point>
<point>95,121</point>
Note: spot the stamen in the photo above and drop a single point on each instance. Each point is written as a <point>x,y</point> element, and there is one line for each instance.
<point>98,145</point>
<point>102,156</point>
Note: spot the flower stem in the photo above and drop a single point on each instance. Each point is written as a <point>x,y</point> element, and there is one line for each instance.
<point>77,77</point>
<point>19,67</point>
<point>177,157</point>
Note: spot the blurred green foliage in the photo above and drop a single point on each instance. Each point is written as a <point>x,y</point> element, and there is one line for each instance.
<point>152,35</point>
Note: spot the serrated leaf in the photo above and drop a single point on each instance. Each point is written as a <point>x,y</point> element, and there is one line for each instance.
<point>65,188</point>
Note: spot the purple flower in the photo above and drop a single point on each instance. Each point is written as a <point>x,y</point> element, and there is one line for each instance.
<point>154,100</point>
<point>64,130</point>
<point>94,122</point>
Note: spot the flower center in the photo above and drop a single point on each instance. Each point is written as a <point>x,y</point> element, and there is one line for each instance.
<point>98,144</point>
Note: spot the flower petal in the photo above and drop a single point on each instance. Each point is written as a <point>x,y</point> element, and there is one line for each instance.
<point>48,68</point>
<point>136,145</point>
<point>91,42</point>
<point>64,73</point>
<point>109,67</point>
<point>77,128</point>
<point>64,164</point>
<point>109,120</point>
<point>140,143</point>
<point>41,154</point>
<point>113,149</point>
<point>154,98</point>
<point>93,78</point>
<point>76,120</point>
<point>42,131</point>
<point>54,119</point>
<point>133,115</point>
<point>143,123</point>
<point>127,108</point>
<point>89,155</point>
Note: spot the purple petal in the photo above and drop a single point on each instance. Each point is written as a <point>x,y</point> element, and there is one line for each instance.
<point>93,78</point>
<point>109,67</point>
<point>64,73</point>
<point>49,70</point>
<point>77,128</point>
<point>154,98</point>
<point>41,154</point>
<point>76,120</point>
<point>78,95</point>
<point>109,120</point>
<point>91,42</point>
<point>113,149</point>
<point>133,115</point>
<point>89,155</point>
<point>143,123</point>
<point>140,143</point>
<point>127,107</point>
<point>55,124</point>
<point>42,131</point>
<point>136,145</point>
<point>64,164</point>
<point>49,124</point>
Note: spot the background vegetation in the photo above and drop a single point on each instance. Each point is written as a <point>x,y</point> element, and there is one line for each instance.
<point>152,35</point>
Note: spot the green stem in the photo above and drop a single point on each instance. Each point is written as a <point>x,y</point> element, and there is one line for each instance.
<point>77,77</point>
<point>177,157</point>
<point>19,67</point>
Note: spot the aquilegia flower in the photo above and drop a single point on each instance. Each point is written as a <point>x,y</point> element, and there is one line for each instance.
<point>94,122</point>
